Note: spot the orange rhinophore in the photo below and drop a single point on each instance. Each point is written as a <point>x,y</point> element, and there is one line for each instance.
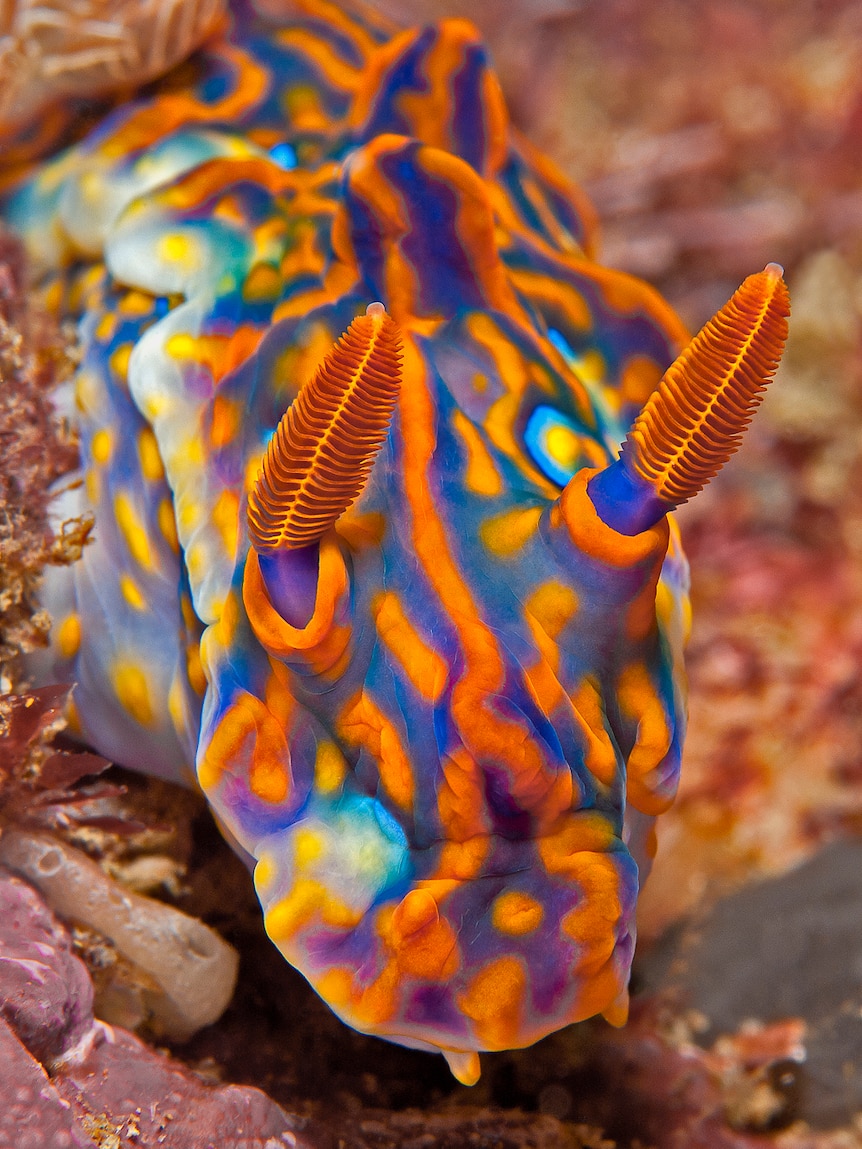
<point>695,419</point>
<point>319,458</point>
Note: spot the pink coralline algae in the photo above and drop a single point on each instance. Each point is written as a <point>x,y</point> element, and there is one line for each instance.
<point>70,1081</point>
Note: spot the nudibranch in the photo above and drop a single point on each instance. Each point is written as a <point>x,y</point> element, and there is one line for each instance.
<point>367,553</point>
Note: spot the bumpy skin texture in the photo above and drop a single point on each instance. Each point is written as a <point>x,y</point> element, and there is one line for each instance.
<point>447,777</point>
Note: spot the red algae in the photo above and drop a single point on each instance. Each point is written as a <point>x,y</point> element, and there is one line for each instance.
<point>35,451</point>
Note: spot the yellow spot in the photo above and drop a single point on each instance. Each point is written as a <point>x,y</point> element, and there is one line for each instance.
<point>188,513</point>
<point>106,327</point>
<point>101,446</point>
<point>226,418</point>
<point>330,769</point>
<point>361,529</point>
<point>69,636</point>
<point>148,452</point>
<point>133,691</point>
<point>296,363</point>
<point>119,361</point>
<point>178,248</point>
<point>335,986</point>
<point>177,706</point>
<point>462,861</point>
<point>667,604</point>
<point>553,605</point>
<point>191,452</point>
<point>264,872</point>
<point>494,1001</point>
<point>88,392</point>
<point>135,303</point>
<point>416,910</point>
<point>52,296</point>
<point>592,367</point>
<point>168,524</point>
<point>252,470</point>
<point>263,284</point>
<point>181,346</point>
<point>338,914</point>
<point>225,518</point>
<point>301,104</point>
<point>308,846</point>
<point>92,186</point>
<point>133,531</point>
<point>481,475</point>
<point>506,533</point>
<point>194,669</point>
<point>581,836</point>
<point>293,911</point>
<point>196,561</point>
<point>93,487</point>
<point>228,617</point>
<point>516,913</point>
<point>270,236</point>
<point>564,446</point>
<point>187,610</point>
<point>308,899</point>
<point>154,406</point>
<point>132,592</point>
<point>91,280</point>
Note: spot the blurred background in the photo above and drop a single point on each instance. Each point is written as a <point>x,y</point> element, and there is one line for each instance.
<point>712,137</point>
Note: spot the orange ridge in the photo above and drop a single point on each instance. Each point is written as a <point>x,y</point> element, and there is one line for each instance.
<point>319,459</point>
<point>695,419</point>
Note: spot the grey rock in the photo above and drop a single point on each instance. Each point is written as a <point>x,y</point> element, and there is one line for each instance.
<point>789,947</point>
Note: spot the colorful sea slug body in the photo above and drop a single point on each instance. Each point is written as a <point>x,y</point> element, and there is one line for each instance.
<point>420,636</point>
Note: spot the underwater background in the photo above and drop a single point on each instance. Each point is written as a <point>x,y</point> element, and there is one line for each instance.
<point>710,138</point>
